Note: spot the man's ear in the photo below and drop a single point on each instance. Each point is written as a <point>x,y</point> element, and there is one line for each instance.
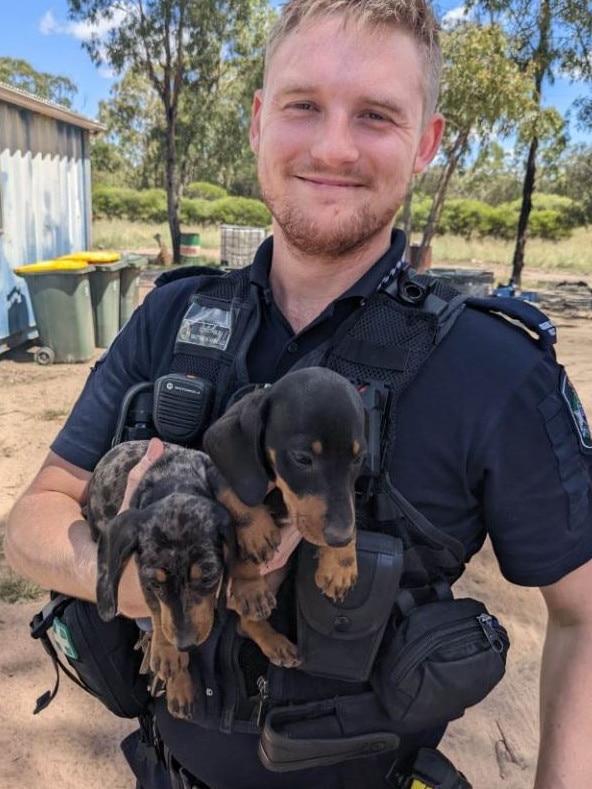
<point>254,129</point>
<point>429,142</point>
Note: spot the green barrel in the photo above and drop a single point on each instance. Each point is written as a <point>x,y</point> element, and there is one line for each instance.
<point>61,301</point>
<point>105,288</point>
<point>129,286</point>
<point>190,246</point>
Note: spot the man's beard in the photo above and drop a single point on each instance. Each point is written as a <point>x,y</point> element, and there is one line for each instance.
<point>346,235</point>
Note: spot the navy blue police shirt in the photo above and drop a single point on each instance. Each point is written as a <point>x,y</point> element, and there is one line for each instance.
<point>487,440</point>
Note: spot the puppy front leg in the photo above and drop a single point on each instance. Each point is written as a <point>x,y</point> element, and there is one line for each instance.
<point>257,535</point>
<point>337,570</point>
<point>172,666</point>
<point>277,648</point>
<point>249,592</point>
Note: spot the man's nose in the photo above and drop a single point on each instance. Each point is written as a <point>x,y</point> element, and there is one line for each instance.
<point>334,143</point>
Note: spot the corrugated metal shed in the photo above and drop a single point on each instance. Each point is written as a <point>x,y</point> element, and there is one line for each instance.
<point>45,196</point>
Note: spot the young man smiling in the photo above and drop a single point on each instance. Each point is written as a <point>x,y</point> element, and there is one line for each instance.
<point>485,440</point>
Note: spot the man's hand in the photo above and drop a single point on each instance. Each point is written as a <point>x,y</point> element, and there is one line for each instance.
<point>153,453</point>
<point>129,586</point>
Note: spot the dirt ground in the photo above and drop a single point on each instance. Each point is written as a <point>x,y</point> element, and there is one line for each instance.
<point>75,742</point>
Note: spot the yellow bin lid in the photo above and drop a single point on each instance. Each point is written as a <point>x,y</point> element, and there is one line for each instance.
<point>94,256</point>
<point>50,266</point>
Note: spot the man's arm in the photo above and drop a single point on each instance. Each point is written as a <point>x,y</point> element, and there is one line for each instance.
<point>48,540</point>
<point>565,755</point>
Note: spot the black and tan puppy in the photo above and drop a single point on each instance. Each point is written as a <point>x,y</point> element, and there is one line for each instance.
<point>177,529</point>
<point>304,435</point>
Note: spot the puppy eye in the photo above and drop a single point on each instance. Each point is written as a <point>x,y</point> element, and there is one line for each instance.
<point>303,459</point>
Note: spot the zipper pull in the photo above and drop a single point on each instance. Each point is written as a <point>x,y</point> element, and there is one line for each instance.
<point>263,703</point>
<point>488,625</point>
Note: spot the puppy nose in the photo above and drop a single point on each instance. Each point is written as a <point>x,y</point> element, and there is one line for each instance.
<point>337,537</point>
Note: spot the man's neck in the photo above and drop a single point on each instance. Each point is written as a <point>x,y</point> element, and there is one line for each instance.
<point>303,286</point>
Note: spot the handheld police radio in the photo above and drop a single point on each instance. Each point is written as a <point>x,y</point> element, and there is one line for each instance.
<point>175,407</point>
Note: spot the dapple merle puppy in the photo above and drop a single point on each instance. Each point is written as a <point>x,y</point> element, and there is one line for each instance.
<point>177,529</point>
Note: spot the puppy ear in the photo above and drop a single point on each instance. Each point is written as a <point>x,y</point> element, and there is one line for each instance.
<point>234,442</point>
<point>114,549</point>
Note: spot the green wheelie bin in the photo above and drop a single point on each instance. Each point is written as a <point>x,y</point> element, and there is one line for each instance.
<point>105,289</point>
<point>129,285</point>
<point>60,297</point>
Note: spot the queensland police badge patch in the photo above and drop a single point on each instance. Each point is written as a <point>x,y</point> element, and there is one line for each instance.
<point>576,409</point>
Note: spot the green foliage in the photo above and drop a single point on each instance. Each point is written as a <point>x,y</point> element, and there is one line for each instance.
<point>149,205</point>
<point>240,211</point>
<point>20,74</point>
<point>124,203</point>
<point>552,218</point>
<point>204,190</point>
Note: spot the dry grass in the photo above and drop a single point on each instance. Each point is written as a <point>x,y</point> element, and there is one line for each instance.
<point>572,254</point>
<point>121,234</point>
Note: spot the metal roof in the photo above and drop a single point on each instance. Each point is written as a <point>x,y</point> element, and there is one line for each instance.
<point>21,98</point>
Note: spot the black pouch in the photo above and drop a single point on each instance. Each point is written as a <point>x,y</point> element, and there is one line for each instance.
<point>319,733</point>
<point>340,640</point>
<point>440,659</point>
<point>101,657</point>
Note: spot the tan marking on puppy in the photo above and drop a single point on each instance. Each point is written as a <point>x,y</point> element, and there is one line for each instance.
<point>317,447</point>
<point>195,572</point>
<point>257,535</point>
<point>276,647</point>
<point>180,695</point>
<point>251,598</point>
<point>202,619</point>
<point>356,448</point>
<point>337,570</point>
<point>160,575</point>
<point>165,659</point>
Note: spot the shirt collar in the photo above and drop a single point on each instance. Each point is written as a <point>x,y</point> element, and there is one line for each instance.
<point>364,287</point>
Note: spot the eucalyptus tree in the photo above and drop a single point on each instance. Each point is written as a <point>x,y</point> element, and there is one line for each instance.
<point>20,74</point>
<point>484,95</point>
<point>184,48</point>
<point>550,38</point>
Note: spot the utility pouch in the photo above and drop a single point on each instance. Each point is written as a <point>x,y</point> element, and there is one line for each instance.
<point>340,640</point>
<point>319,733</point>
<point>438,660</point>
<point>100,657</point>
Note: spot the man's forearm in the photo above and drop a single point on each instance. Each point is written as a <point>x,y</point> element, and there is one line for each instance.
<point>49,542</point>
<point>565,756</point>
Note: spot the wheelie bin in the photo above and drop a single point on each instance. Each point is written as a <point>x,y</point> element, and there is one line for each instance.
<point>105,288</point>
<point>61,301</point>
<point>129,284</point>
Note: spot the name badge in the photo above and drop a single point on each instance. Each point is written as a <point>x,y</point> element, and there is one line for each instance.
<point>207,327</point>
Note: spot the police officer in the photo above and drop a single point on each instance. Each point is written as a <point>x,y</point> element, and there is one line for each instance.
<point>491,438</point>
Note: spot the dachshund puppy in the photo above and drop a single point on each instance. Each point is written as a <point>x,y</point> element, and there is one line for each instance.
<point>177,530</point>
<point>305,436</point>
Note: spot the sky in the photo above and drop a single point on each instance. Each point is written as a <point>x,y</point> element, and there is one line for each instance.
<point>39,31</point>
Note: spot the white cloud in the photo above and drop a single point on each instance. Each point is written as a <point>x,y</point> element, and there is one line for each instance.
<point>455,16</point>
<point>82,31</point>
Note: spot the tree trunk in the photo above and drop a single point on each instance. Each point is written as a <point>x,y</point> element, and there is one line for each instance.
<point>172,190</point>
<point>429,232</point>
<point>542,58</point>
<point>406,219</point>
<point>525,209</point>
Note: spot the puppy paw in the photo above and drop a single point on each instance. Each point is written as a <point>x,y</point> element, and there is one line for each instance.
<point>251,599</point>
<point>282,652</point>
<point>180,695</point>
<point>260,539</point>
<point>166,661</point>
<point>337,572</point>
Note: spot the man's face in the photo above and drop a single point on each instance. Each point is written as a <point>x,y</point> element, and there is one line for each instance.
<point>338,133</point>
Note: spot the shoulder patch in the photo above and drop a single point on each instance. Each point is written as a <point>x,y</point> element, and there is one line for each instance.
<point>576,410</point>
<point>207,326</point>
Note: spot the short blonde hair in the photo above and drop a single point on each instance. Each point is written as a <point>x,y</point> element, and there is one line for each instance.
<point>414,17</point>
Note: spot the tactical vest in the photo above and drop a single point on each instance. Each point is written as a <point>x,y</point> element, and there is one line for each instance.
<point>380,349</point>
